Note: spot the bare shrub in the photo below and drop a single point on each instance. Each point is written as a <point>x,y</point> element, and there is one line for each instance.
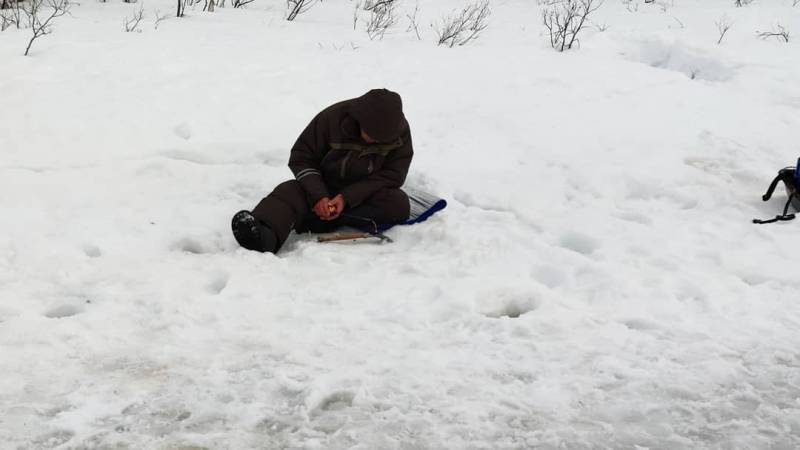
<point>413,24</point>
<point>678,21</point>
<point>465,25</point>
<point>723,25</point>
<point>382,16</point>
<point>239,3</point>
<point>740,3</point>
<point>297,7</point>
<point>131,24</point>
<point>564,20</point>
<point>17,14</point>
<point>631,6</point>
<point>780,34</point>
<point>181,8</point>
<point>11,15</point>
<point>159,18</point>
<point>40,15</point>
<point>369,5</point>
<point>5,20</point>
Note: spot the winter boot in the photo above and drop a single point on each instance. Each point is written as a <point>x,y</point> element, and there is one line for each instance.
<point>252,234</point>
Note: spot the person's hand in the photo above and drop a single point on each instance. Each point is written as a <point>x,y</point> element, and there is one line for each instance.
<point>322,210</point>
<point>336,206</point>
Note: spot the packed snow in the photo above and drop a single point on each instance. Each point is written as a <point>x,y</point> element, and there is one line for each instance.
<point>595,282</point>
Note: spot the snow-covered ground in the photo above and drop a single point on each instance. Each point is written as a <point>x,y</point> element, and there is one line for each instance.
<point>595,282</point>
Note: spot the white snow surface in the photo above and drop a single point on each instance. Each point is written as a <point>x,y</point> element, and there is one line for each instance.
<point>596,281</point>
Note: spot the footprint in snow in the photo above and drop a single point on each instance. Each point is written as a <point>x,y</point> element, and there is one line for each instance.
<point>62,311</point>
<point>641,324</point>
<point>53,439</point>
<point>579,242</point>
<point>549,276</point>
<point>337,401</point>
<point>511,304</point>
<point>218,283</point>
<point>275,425</point>
<point>190,245</point>
<point>92,251</point>
<point>183,131</point>
<point>512,310</point>
<point>632,216</point>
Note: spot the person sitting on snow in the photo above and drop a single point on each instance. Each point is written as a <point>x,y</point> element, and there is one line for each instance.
<point>349,164</point>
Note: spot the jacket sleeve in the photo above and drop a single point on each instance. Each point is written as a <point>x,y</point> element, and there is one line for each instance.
<point>306,157</point>
<point>391,175</point>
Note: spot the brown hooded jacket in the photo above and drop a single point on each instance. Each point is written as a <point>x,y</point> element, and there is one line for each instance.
<point>331,157</point>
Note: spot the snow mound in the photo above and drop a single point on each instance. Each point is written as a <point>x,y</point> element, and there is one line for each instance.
<point>678,57</point>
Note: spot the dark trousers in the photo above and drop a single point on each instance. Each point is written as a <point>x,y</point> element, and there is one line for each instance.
<point>287,209</point>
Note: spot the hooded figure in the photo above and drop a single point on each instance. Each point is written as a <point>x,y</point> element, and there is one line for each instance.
<point>348,164</point>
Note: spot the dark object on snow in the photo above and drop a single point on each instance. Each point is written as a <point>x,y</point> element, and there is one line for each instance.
<point>422,206</point>
<point>790,176</point>
<point>331,157</point>
<point>252,234</point>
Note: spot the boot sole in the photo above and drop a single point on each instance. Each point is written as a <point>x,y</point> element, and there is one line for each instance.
<point>245,231</point>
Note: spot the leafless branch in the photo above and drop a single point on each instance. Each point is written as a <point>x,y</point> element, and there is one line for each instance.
<point>780,34</point>
<point>34,12</point>
<point>297,7</point>
<point>381,17</point>
<point>631,6</point>
<point>370,5</point>
<point>564,20</point>
<point>131,24</point>
<point>16,14</point>
<point>240,3</point>
<point>9,15</point>
<point>181,8</point>
<point>159,18</point>
<point>414,25</point>
<point>723,25</point>
<point>465,25</point>
<point>680,24</point>
<point>5,20</point>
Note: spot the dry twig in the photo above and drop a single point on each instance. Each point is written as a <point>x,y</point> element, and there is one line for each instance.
<point>464,26</point>
<point>39,22</point>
